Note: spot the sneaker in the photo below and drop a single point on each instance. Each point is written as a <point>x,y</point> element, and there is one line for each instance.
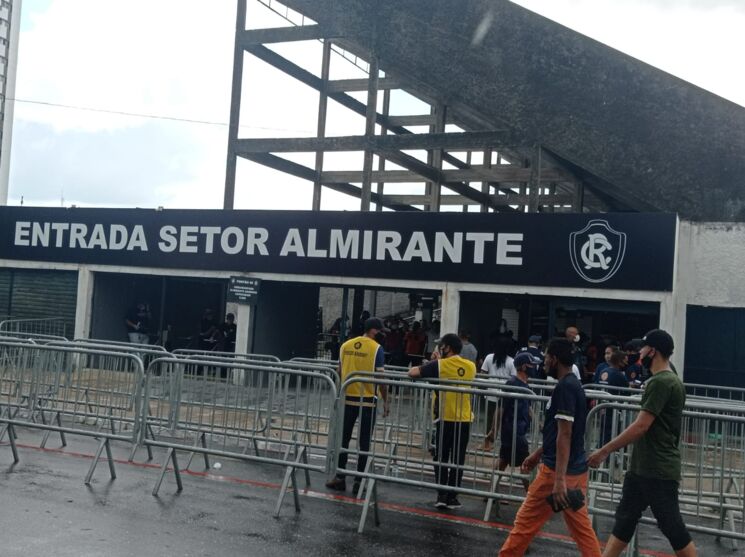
<point>337,484</point>
<point>453,503</point>
<point>441,502</point>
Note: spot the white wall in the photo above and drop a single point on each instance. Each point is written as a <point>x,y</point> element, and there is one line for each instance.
<point>710,271</point>
<point>711,268</point>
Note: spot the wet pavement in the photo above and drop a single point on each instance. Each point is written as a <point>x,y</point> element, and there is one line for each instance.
<point>46,509</point>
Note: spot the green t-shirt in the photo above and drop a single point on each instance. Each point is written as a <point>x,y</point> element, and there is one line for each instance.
<point>657,453</point>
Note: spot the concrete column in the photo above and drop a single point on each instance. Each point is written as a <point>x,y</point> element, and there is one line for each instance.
<point>450,309</point>
<point>84,303</point>
<point>243,328</point>
<point>673,311</point>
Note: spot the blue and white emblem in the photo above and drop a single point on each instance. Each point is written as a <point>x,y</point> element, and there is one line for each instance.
<point>597,251</point>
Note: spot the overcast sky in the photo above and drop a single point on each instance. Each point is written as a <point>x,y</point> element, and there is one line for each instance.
<point>173,59</point>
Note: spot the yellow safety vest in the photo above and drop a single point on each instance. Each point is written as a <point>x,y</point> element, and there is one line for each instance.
<point>454,407</point>
<point>358,355</point>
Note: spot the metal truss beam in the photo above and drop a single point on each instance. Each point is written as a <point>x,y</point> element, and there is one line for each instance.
<point>306,173</point>
<point>495,174</point>
<point>419,141</point>
<point>497,200</point>
<point>306,77</point>
<point>251,37</point>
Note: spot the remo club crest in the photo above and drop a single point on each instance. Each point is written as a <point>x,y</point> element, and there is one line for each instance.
<point>597,251</point>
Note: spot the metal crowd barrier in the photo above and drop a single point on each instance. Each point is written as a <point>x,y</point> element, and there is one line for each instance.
<point>275,416</point>
<point>131,346</point>
<point>317,361</point>
<point>36,338</point>
<point>199,353</point>
<point>70,390</point>
<point>713,467</point>
<point>401,445</point>
<point>715,391</point>
<point>54,326</point>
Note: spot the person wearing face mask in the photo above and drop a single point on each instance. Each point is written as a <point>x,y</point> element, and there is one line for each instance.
<point>564,462</point>
<point>452,416</point>
<point>654,472</point>
<point>573,336</point>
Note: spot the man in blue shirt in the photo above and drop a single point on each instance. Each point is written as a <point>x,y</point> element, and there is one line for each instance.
<point>564,461</point>
<point>515,424</point>
<point>612,377</point>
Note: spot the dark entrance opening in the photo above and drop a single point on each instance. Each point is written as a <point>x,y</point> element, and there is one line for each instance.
<point>176,306</point>
<point>488,316</point>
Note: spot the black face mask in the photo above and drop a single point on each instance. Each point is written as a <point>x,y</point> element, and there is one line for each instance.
<point>646,361</point>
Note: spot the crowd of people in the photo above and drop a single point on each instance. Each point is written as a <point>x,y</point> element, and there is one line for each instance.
<point>562,463</point>
<point>212,335</point>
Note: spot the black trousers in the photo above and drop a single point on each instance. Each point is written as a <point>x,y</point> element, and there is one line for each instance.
<point>451,441</point>
<point>662,496</point>
<point>367,423</point>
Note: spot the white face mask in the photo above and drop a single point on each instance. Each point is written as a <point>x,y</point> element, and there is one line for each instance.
<point>576,338</point>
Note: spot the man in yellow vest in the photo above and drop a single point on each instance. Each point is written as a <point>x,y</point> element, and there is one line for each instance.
<point>452,415</point>
<point>360,354</point>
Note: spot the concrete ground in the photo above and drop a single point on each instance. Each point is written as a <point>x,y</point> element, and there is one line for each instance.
<point>45,509</point>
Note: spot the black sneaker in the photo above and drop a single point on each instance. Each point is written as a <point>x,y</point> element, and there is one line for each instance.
<point>453,503</point>
<point>441,502</point>
<point>337,484</point>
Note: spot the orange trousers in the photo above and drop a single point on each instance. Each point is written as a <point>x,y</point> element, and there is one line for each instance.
<point>535,511</point>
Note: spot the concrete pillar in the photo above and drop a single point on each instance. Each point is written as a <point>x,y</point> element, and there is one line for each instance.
<point>673,311</point>
<point>450,309</point>
<point>243,328</point>
<point>84,303</point>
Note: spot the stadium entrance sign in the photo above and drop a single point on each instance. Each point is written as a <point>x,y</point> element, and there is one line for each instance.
<point>621,251</point>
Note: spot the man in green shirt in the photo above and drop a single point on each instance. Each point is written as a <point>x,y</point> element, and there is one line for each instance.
<point>653,476</point>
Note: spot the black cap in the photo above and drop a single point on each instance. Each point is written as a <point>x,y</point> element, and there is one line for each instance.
<point>659,340</point>
<point>373,323</point>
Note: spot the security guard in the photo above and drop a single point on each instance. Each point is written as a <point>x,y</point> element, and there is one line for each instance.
<point>360,354</point>
<point>452,414</point>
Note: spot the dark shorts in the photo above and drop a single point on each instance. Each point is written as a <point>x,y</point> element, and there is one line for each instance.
<point>521,451</point>
<point>662,496</point>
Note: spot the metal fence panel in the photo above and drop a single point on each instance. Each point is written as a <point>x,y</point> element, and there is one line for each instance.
<point>70,390</point>
<point>272,415</point>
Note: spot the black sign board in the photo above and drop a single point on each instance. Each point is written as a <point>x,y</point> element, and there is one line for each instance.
<point>631,251</point>
<point>243,290</point>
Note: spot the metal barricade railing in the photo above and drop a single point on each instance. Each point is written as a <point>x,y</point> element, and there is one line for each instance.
<point>70,390</point>
<point>274,416</point>
<point>131,346</point>
<point>715,391</point>
<point>403,444</point>
<point>711,494</point>
<point>36,338</point>
<point>54,326</point>
<point>191,353</point>
<point>317,361</point>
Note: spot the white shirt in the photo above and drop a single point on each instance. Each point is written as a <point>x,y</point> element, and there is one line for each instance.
<point>498,372</point>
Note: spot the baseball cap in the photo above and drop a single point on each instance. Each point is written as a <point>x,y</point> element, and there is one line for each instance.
<point>373,323</point>
<point>535,338</point>
<point>659,340</point>
<point>524,358</point>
